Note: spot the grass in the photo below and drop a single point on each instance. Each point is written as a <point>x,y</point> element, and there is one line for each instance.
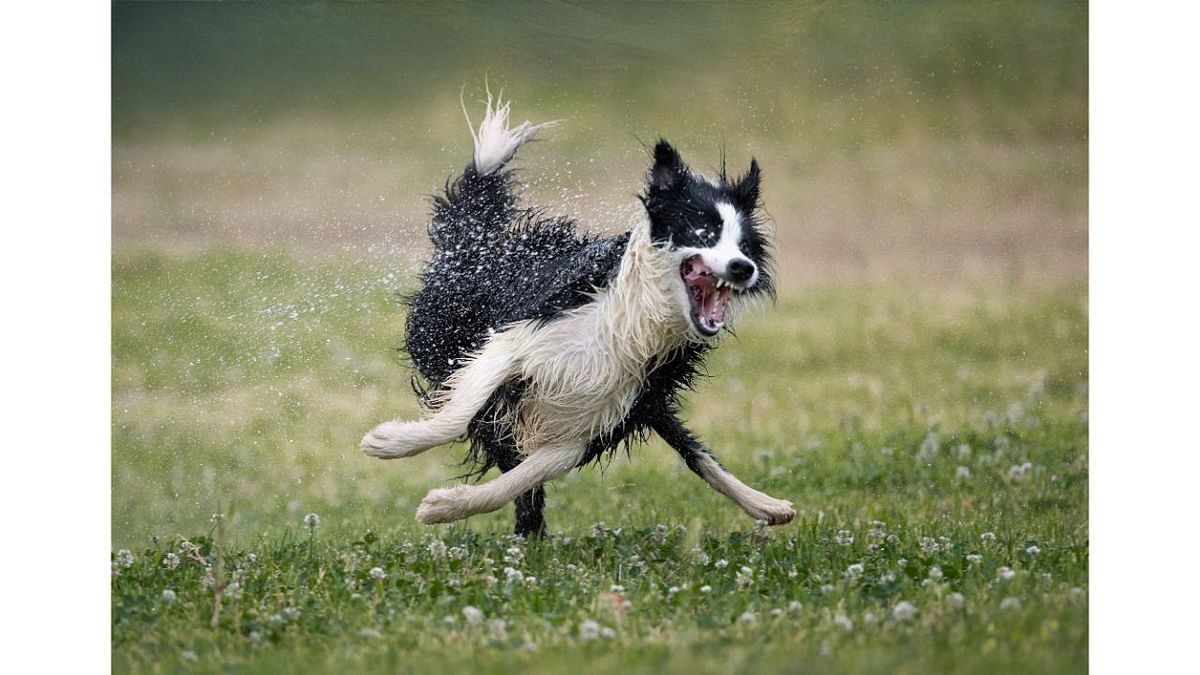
<point>936,437</point>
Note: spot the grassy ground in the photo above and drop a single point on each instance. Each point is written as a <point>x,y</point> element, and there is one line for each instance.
<point>920,391</point>
<point>934,440</point>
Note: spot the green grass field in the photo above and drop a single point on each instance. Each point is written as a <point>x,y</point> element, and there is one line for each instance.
<point>919,391</point>
<point>934,440</point>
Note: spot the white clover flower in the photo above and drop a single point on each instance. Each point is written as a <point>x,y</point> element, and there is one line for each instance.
<point>473,615</point>
<point>188,655</point>
<point>450,620</point>
<point>974,558</point>
<point>706,589</point>
<point>457,552</point>
<point>1032,549</point>
<point>589,630</point>
<point>844,538</point>
<point>929,545</point>
<point>962,473</point>
<point>955,601</point>
<point>616,588</point>
<point>1010,603</point>
<point>988,536</point>
<point>1005,573</point>
<point>745,577</point>
<point>125,558</point>
<point>437,549</point>
<point>827,588</point>
<point>748,618</point>
<point>887,578</point>
<point>672,591</point>
<point>233,591</point>
<point>795,606</point>
<point>377,573</point>
<point>168,597</point>
<point>721,564</point>
<point>170,561</point>
<point>870,619</point>
<point>207,581</point>
<point>855,571</point>
<point>904,611</point>
<point>608,633</point>
<point>514,556</point>
<point>513,576</point>
<point>498,628</point>
<point>844,622</point>
<point>962,450</point>
<point>935,573</point>
<point>312,520</point>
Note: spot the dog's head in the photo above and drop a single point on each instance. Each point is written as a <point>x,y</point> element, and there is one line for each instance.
<point>712,230</point>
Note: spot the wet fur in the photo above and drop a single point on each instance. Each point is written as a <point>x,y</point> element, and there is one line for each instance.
<point>548,349</point>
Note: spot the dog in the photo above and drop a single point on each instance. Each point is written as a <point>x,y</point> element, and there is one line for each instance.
<point>548,349</point>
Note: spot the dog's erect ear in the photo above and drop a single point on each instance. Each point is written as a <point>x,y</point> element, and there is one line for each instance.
<point>669,172</point>
<point>746,190</point>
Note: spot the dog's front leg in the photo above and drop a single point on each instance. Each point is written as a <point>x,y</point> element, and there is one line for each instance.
<point>468,390</point>
<point>445,505</point>
<point>700,459</point>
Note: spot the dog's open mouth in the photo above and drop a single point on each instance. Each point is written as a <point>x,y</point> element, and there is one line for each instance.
<point>708,294</point>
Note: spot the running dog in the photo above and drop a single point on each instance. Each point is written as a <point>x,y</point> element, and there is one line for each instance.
<point>548,349</point>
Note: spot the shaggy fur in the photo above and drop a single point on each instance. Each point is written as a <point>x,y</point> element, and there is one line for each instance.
<point>548,349</point>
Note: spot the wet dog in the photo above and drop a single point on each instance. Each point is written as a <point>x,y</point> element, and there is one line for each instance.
<point>548,348</point>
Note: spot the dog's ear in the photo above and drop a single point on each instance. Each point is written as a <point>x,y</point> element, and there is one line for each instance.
<point>669,173</point>
<point>745,192</point>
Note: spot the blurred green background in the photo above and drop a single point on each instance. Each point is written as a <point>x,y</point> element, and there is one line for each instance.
<point>921,141</point>
<point>926,364</point>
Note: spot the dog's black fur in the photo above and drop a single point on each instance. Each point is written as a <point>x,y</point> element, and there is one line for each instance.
<point>495,263</point>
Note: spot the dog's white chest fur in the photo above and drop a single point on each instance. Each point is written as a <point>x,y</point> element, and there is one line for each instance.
<point>583,370</point>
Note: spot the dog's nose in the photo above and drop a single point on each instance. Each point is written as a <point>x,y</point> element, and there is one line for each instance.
<point>740,270</point>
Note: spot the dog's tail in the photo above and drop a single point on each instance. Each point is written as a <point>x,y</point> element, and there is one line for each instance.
<point>481,200</point>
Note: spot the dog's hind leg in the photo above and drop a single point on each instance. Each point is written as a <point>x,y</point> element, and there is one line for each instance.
<point>531,522</point>
<point>445,505</point>
<point>495,436</point>
<point>468,390</point>
<point>700,459</point>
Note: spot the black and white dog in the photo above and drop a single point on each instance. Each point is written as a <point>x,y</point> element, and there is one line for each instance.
<point>548,349</point>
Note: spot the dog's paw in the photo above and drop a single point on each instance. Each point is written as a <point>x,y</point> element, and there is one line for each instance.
<point>772,511</point>
<point>444,505</point>
<point>387,441</point>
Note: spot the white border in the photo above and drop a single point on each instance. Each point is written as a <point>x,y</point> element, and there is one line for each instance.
<point>56,279</point>
<point>56,276</point>
<point>1143,306</point>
